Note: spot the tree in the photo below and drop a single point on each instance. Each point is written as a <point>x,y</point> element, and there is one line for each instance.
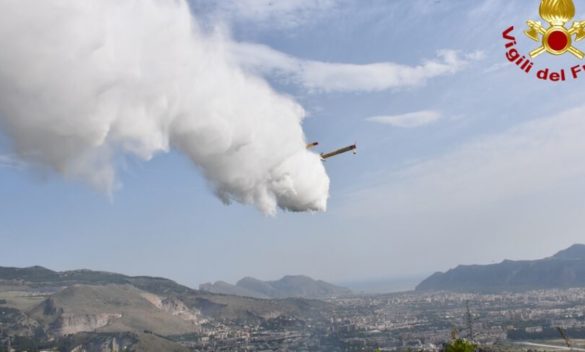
<point>460,345</point>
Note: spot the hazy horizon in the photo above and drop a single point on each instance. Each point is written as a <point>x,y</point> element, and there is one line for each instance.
<point>371,285</point>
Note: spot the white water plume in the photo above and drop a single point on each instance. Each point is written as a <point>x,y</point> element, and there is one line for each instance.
<point>85,82</point>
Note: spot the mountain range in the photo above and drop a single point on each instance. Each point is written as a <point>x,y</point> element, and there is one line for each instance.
<point>287,287</point>
<point>100,311</point>
<point>84,308</point>
<point>566,269</point>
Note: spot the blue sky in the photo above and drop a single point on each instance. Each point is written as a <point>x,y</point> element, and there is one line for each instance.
<point>472,161</point>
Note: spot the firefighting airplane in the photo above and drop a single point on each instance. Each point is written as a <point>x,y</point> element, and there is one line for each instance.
<point>325,156</point>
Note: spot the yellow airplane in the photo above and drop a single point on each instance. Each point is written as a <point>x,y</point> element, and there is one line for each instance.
<point>325,156</point>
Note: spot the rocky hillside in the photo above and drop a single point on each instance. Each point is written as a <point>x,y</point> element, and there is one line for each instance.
<point>118,342</point>
<point>287,287</point>
<point>114,308</point>
<point>88,309</point>
<point>565,269</point>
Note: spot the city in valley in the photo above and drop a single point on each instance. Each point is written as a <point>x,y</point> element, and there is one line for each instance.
<point>415,321</point>
<point>512,305</point>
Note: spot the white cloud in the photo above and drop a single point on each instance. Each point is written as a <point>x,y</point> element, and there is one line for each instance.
<point>410,120</point>
<point>343,77</point>
<point>276,13</point>
<point>515,194</point>
<point>8,161</point>
<point>536,157</point>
